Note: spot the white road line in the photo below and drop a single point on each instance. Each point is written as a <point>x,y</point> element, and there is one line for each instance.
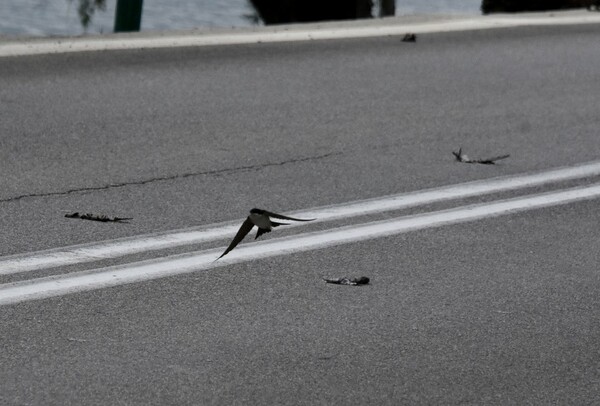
<point>117,248</point>
<point>289,33</point>
<point>202,260</point>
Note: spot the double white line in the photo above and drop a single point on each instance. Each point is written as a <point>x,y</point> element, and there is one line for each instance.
<point>199,260</point>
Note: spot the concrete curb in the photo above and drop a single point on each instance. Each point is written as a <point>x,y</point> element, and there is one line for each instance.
<point>290,33</point>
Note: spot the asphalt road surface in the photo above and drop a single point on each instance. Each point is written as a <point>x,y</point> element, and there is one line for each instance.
<point>499,309</point>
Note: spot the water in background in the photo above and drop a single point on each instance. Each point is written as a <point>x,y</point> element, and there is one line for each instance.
<point>59,17</point>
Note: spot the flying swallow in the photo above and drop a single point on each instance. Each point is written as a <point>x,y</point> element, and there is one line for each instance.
<point>460,157</point>
<point>261,219</point>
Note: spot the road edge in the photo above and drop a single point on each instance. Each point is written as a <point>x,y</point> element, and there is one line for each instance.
<point>291,33</point>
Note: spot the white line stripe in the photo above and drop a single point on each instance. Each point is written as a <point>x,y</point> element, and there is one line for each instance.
<point>116,248</point>
<point>288,34</point>
<point>202,260</point>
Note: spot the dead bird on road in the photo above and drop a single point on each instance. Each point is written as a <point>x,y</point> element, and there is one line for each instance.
<point>363,280</point>
<point>97,217</point>
<point>410,37</point>
<point>262,219</point>
<point>460,157</point>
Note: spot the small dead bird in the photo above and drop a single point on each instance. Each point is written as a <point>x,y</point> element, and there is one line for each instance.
<point>410,37</point>
<point>460,157</point>
<point>97,217</point>
<point>363,280</point>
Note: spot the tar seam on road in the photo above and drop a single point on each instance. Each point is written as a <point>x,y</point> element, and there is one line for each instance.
<point>91,252</point>
<point>202,260</point>
<point>217,172</point>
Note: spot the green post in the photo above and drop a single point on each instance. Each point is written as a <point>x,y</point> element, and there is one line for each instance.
<point>128,15</point>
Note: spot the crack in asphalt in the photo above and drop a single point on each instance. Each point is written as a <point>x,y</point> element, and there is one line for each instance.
<point>216,172</point>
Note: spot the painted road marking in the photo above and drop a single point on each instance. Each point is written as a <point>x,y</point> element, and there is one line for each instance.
<point>289,33</point>
<point>85,253</point>
<point>203,260</point>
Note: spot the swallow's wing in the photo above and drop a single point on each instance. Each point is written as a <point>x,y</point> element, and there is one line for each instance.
<point>483,161</point>
<point>497,158</point>
<point>340,281</point>
<point>281,216</point>
<point>121,219</point>
<point>244,229</point>
<point>491,161</point>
